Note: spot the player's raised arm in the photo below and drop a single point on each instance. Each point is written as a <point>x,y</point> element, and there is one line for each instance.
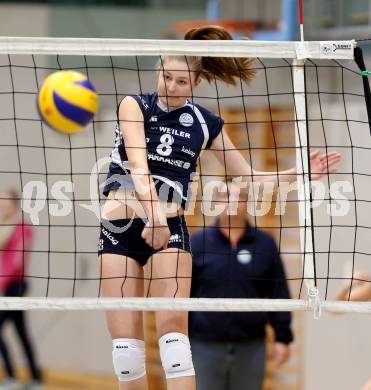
<point>236,165</point>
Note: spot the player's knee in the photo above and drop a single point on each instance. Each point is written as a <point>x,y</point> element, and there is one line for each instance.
<point>129,359</point>
<point>176,355</point>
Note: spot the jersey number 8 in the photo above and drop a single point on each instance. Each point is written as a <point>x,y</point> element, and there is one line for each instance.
<point>164,148</point>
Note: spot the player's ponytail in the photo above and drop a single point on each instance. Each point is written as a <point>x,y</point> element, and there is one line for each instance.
<point>222,68</point>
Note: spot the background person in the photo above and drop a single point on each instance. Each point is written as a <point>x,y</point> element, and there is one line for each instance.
<point>233,259</point>
<point>15,244</point>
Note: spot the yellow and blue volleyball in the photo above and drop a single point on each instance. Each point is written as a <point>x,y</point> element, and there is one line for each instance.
<point>67,101</point>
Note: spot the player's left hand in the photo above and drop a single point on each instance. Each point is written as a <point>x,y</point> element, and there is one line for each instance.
<point>281,353</point>
<point>322,164</point>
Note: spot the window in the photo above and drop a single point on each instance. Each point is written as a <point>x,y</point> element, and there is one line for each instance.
<point>356,12</point>
<point>128,3</point>
<point>340,13</point>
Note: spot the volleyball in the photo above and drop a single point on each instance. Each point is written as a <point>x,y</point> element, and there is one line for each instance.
<point>67,101</point>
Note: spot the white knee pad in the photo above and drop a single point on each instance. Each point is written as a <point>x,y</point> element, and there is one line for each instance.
<point>176,355</point>
<point>129,359</point>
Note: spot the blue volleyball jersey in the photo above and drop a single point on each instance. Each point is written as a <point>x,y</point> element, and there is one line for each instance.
<point>174,140</point>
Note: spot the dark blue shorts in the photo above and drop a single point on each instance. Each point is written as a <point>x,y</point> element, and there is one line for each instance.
<point>123,237</point>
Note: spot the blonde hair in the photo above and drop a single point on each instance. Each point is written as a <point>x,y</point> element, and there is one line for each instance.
<point>225,69</point>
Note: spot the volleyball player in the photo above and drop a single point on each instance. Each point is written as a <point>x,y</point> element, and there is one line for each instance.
<point>159,138</point>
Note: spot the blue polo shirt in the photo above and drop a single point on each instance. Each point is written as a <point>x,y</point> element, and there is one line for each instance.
<point>252,269</point>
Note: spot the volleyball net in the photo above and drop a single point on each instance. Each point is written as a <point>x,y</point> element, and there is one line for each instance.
<point>306,96</point>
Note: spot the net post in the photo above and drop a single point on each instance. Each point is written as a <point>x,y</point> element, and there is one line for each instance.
<point>303,176</point>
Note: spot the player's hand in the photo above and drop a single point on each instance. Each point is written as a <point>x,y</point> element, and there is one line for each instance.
<point>156,235</point>
<point>281,354</point>
<point>322,164</point>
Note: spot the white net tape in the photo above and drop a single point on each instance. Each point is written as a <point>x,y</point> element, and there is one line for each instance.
<point>148,47</point>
